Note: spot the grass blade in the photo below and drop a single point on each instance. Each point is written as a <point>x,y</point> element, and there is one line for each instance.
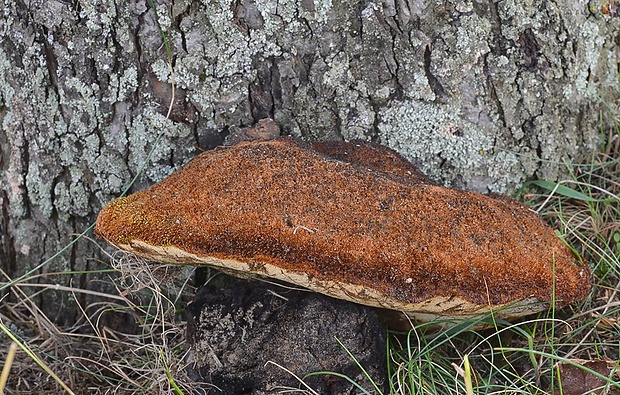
<point>563,190</point>
<point>6,369</point>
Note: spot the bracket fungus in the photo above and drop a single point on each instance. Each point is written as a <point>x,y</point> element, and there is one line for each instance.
<point>354,221</point>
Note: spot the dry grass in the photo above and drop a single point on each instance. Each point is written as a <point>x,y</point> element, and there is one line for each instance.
<point>127,342</point>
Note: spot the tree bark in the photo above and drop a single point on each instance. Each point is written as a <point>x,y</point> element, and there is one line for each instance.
<point>481,94</point>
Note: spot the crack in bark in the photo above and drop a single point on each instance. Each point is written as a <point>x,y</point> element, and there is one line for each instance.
<point>496,47</point>
<point>530,48</point>
<point>50,61</point>
<point>73,251</point>
<point>337,121</point>
<point>177,24</point>
<point>52,69</point>
<point>260,91</point>
<point>490,85</point>
<point>392,18</point>
<point>25,160</point>
<point>7,244</point>
<point>58,179</point>
<point>433,82</point>
<point>375,137</point>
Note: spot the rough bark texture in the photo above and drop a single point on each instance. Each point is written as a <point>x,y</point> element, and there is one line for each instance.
<point>482,94</point>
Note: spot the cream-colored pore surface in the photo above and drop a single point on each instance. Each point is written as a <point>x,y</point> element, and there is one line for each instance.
<point>438,307</point>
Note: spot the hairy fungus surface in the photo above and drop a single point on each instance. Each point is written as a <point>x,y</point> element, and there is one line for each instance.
<point>354,221</point>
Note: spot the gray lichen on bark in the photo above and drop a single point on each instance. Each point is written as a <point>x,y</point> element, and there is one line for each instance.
<point>481,94</point>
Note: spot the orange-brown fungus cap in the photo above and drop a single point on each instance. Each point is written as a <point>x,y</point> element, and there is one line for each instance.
<point>352,220</point>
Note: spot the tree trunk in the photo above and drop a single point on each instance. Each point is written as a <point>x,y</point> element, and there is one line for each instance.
<point>481,94</point>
